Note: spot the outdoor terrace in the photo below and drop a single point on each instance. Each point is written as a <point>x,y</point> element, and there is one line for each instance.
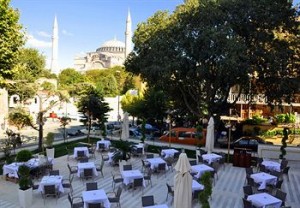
<point>227,191</point>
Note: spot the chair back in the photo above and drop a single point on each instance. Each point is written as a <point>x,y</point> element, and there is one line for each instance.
<point>80,153</point>
<point>149,156</point>
<point>286,170</point>
<point>147,200</point>
<point>88,172</point>
<point>246,203</point>
<point>280,195</point>
<point>249,171</point>
<point>91,186</point>
<point>262,168</point>
<point>196,194</point>
<point>161,166</point>
<point>170,190</point>
<point>200,158</point>
<point>279,184</point>
<point>127,167</point>
<point>101,146</point>
<point>138,182</point>
<point>94,205</point>
<point>49,190</point>
<point>84,160</point>
<point>248,190</point>
<point>193,162</point>
<point>176,155</point>
<point>54,172</point>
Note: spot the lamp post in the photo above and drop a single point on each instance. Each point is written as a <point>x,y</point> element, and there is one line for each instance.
<point>231,127</point>
<point>118,98</point>
<point>169,121</point>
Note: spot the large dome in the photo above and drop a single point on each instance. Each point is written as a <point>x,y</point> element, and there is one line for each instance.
<point>113,43</point>
<point>112,46</point>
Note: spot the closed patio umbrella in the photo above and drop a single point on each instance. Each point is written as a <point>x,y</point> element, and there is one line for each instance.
<point>125,127</point>
<point>210,135</point>
<point>183,183</point>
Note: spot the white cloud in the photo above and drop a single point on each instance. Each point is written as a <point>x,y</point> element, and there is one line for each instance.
<point>35,43</point>
<point>43,34</point>
<point>64,32</point>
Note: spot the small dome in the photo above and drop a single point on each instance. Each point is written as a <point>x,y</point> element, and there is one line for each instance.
<point>113,43</point>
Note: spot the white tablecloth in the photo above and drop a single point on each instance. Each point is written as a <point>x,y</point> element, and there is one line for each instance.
<point>95,196</point>
<point>271,165</point>
<point>200,169</point>
<point>86,165</point>
<point>264,200</point>
<point>263,179</point>
<point>155,161</point>
<point>51,180</point>
<point>85,149</point>
<point>157,206</point>
<point>168,152</point>
<point>211,157</point>
<point>106,143</point>
<point>12,169</point>
<point>130,175</point>
<point>197,186</point>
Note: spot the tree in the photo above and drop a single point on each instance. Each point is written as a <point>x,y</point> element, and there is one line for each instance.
<point>93,106</point>
<point>202,50</point>
<point>69,77</point>
<point>33,61</point>
<point>20,118</point>
<point>11,38</point>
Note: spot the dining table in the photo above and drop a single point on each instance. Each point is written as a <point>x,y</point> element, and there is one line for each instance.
<point>212,157</point>
<point>263,179</point>
<point>130,175</point>
<point>95,196</point>
<point>85,149</point>
<point>86,165</point>
<point>264,200</point>
<point>52,180</point>
<point>168,152</point>
<point>197,186</point>
<point>271,165</point>
<point>155,161</point>
<point>106,144</point>
<point>200,169</point>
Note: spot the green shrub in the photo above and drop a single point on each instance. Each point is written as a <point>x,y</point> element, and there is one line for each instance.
<point>23,156</point>
<point>24,177</point>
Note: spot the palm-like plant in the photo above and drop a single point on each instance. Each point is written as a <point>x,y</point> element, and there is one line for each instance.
<point>123,150</point>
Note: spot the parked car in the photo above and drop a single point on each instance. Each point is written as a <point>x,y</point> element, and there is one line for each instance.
<point>183,135</point>
<point>134,133</point>
<point>248,142</point>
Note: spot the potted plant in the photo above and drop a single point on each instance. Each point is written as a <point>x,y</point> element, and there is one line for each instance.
<point>205,194</point>
<point>49,145</point>
<point>123,151</point>
<point>25,188</point>
<point>283,142</point>
<point>23,156</point>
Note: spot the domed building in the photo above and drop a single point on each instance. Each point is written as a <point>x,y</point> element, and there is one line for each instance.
<point>111,53</point>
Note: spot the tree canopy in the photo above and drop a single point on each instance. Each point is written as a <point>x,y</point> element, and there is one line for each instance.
<point>204,48</point>
<point>11,38</point>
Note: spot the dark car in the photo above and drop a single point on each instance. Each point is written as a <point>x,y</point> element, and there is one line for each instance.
<point>249,142</point>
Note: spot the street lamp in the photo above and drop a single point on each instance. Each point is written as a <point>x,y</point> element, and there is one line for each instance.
<point>231,127</point>
<point>118,110</point>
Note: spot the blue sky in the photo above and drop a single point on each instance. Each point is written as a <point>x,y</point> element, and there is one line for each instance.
<point>84,25</point>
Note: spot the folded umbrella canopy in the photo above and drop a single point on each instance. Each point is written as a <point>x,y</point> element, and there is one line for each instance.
<point>183,183</point>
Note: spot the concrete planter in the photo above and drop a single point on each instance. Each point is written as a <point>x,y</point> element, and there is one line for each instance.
<point>50,152</point>
<point>25,198</point>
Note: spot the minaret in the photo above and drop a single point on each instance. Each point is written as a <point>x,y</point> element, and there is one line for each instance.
<point>54,65</point>
<point>128,35</point>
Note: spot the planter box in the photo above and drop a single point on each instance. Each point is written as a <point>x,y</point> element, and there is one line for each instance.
<point>25,198</point>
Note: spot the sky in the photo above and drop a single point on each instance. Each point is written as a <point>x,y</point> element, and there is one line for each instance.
<point>84,25</point>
